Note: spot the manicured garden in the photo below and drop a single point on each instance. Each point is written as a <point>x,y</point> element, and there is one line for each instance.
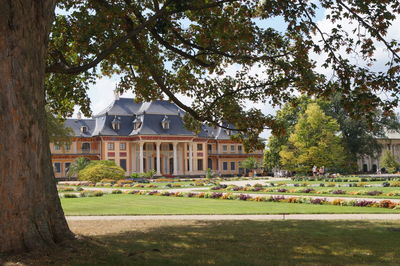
<point>331,189</point>
<point>225,243</point>
<point>134,204</point>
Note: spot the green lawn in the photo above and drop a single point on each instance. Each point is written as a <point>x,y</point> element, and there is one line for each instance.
<point>225,243</point>
<point>126,204</point>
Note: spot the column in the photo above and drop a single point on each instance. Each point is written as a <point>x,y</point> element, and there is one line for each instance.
<point>158,158</point>
<point>175,158</point>
<point>141,157</point>
<point>133,158</point>
<point>190,159</point>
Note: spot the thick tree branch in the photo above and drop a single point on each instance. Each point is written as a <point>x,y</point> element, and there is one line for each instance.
<point>209,50</point>
<point>171,47</point>
<point>60,68</point>
<point>63,69</point>
<point>160,83</point>
<point>243,88</point>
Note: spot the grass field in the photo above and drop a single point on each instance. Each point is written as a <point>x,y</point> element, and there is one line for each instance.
<point>126,204</point>
<point>225,243</point>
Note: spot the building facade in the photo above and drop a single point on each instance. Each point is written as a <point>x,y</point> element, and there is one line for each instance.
<point>143,136</point>
<point>371,164</point>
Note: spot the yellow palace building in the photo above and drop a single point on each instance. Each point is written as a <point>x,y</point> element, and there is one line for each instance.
<point>150,135</point>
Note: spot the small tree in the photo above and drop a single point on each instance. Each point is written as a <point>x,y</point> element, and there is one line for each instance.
<point>149,174</point>
<point>389,162</point>
<point>250,164</point>
<point>79,164</point>
<point>209,173</point>
<point>98,170</point>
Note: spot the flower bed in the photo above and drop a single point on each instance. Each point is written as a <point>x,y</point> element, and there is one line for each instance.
<point>346,178</point>
<point>230,196</point>
<point>307,191</point>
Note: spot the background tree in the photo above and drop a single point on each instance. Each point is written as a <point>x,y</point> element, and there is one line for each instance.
<point>389,162</point>
<point>250,164</point>
<point>162,48</point>
<point>359,135</point>
<point>58,133</point>
<point>78,165</point>
<point>287,118</point>
<point>314,141</point>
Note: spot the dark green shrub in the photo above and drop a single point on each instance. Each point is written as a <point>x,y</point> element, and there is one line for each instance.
<point>98,193</point>
<point>70,195</point>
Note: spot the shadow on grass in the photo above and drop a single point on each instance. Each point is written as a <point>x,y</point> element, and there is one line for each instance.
<point>236,243</point>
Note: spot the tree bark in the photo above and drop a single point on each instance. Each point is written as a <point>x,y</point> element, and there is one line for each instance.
<point>31,216</point>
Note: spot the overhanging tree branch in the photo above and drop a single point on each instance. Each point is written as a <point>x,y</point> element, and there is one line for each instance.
<point>371,29</point>
<point>171,47</point>
<point>63,69</point>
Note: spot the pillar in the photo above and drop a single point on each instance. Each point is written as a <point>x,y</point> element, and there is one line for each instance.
<point>175,158</point>
<point>158,159</point>
<point>141,157</point>
<point>190,158</point>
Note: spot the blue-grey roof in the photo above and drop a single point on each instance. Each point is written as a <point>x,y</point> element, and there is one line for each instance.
<point>159,108</point>
<point>125,111</point>
<point>151,125</point>
<point>104,126</point>
<point>77,124</point>
<point>217,132</point>
<point>121,107</point>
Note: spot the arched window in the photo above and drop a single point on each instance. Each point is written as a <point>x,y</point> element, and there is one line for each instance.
<point>85,147</point>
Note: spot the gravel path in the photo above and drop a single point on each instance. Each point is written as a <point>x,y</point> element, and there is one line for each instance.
<point>242,217</point>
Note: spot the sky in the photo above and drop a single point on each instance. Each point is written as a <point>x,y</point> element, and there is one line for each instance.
<point>102,92</point>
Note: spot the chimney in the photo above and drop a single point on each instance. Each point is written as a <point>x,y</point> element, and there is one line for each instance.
<point>116,94</point>
<point>79,115</point>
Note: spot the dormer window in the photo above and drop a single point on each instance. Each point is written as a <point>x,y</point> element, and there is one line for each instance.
<point>83,129</point>
<point>165,122</point>
<point>137,123</point>
<point>116,123</point>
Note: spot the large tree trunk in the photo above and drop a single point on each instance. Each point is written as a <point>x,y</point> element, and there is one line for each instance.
<point>30,211</point>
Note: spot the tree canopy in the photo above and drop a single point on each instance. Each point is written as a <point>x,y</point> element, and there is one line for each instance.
<point>207,49</point>
<point>389,162</point>
<point>314,141</point>
<point>58,133</point>
<point>359,135</point>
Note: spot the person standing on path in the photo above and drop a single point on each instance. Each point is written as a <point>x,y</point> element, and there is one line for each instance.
<point>322,170</point>
<point>314,170</point>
